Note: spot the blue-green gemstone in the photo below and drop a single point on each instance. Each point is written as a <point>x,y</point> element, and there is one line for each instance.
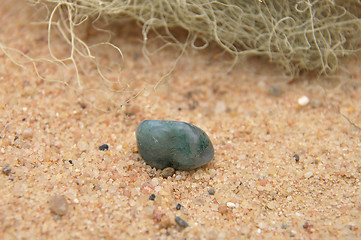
<point>173,144</point>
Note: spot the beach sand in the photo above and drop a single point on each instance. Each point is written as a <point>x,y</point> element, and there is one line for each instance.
<point>281,169</point>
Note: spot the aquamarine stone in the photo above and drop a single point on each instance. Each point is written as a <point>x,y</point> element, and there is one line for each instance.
<point>173,144</point>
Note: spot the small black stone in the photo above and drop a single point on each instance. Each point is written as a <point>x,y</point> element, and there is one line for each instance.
<point>71,162</point>
<point>7,169</point>
<point>16,138</point>
<point>352,228</point>
<point>296,157</point>
<point>178,207</point>
<point>104,147</point>
<point>152,197</point>
<point>82,105</point>
<point>211,191</point>
<point>181,222</point>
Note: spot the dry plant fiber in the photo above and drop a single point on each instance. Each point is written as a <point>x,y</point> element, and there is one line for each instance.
<point>299,35</point>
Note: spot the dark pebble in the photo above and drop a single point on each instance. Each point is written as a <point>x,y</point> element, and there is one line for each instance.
<point>352,227</point>
<point>173,144</point>
<point>178,207</point>
<point>167,172</point>
<point>7,169</point>
<point>152,173</point>
<point>71,162</point>
<point>284,226</point>
<point>296,157</point>
<point>104,147</point>
<point>181,222</point>
<point>307,226</point>
<point>152,197</point>
<point>211,191</point>
<point>82,105</point>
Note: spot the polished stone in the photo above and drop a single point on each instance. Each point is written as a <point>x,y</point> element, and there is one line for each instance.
<point>173,144</point>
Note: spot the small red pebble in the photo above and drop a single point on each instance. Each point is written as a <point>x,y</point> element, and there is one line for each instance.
<point>263,182</point>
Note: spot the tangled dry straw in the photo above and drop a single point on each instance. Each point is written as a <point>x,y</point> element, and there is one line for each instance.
<point>299,35</point>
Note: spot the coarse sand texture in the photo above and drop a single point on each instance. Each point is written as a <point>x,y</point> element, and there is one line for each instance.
<point>287,147</point>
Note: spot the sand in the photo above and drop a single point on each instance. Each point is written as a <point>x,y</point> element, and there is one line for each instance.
<point>51,132</point>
